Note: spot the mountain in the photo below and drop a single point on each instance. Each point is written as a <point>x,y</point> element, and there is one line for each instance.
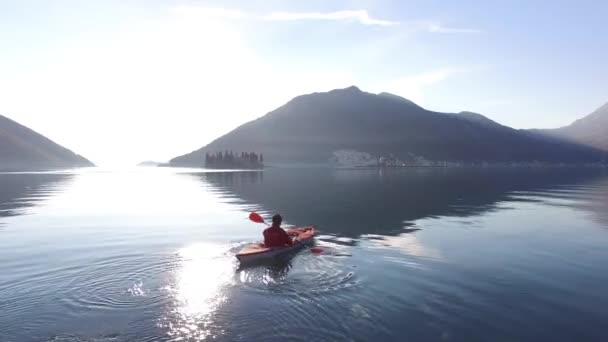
<point>149,163</point>
<point>23,149</point>
<point>591,130</point>
<point>311,128</point>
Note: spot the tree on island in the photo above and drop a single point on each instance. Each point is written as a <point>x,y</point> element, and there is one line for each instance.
<point>231,160</point>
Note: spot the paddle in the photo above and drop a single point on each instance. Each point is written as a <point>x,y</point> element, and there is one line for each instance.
<point>257,218</point>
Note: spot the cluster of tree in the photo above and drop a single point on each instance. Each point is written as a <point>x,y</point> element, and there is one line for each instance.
<point>231,160</point>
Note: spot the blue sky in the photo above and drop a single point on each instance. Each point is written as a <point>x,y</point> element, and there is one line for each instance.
<point>123,81</point>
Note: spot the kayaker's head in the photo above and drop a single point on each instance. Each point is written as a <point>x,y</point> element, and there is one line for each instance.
<point>277,220</point>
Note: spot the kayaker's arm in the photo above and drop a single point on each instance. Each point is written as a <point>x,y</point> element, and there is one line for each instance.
<point>287,238</point>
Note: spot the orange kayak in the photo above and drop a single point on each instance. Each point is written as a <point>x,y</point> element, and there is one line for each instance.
<point>259,252</point>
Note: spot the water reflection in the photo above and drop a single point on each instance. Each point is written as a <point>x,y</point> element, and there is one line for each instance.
<point>149,256</point>
<point>598,201</point>
<point>19,191</point>
<point>407,244</point>
<point>369,201</point>
<point>204,272</point>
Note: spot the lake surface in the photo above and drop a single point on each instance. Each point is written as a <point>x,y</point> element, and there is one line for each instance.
<point>408,254</point>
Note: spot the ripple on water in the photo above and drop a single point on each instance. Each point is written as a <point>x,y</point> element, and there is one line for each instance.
<point>101,287</point>
<point>75,338</point>
<point>102,338</point>
<point>198,286</point>
<point>303,275</point>
<point>292,296</point>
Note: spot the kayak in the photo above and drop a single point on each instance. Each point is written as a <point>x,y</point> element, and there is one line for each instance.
<point>258,252</point>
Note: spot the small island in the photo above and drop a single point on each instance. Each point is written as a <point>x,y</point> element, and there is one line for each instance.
<point>149,163</point>
<point>231,160</point>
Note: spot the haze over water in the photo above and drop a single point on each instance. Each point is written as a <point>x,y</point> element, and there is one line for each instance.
<point>413,254</point>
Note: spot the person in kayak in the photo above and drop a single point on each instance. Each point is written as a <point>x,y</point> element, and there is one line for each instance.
<point>275,236</point>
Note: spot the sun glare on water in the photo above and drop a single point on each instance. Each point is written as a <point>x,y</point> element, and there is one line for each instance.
<point>203,274</point>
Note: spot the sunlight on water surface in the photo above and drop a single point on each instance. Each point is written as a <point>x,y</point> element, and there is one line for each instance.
<point>203,273</point>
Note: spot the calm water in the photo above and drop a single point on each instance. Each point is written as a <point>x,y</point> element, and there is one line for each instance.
<point>419,254</point>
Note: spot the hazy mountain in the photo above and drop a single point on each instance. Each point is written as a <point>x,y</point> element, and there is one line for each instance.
<point>591,130</point>
<point>310,128</point>
<point>23,149</point>
<point>149,163</point>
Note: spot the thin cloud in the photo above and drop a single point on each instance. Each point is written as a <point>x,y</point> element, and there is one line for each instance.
<point>225,13</point>
<point>358,15</point>
<point>438,28</point>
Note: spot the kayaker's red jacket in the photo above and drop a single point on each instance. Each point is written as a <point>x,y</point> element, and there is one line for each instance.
<point>276,237</point>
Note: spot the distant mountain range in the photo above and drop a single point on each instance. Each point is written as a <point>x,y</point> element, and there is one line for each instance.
<point>591,130</point>
<point>22,149</point>
<point>149,163</point>
<point>312,128</point>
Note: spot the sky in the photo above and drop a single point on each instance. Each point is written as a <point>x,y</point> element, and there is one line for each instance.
<point>125,81</point>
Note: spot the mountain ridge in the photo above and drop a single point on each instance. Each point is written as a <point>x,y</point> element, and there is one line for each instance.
<point>23,149</point>
<point>310,127</point>
<point>590,130</point>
